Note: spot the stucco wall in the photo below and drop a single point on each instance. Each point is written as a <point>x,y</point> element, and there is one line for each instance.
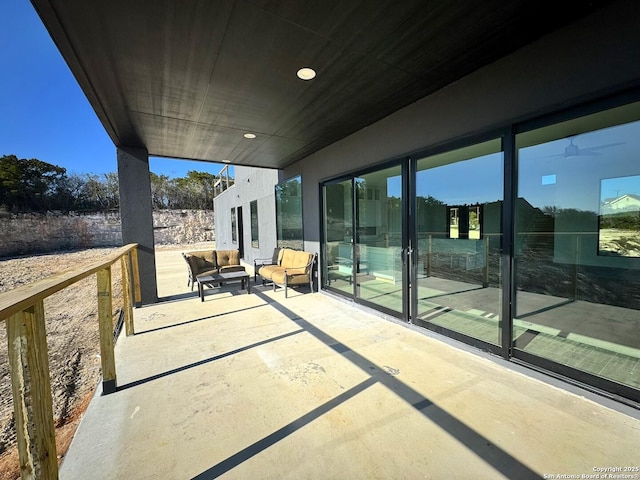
<point>33,233</point>
<point>250,184</point>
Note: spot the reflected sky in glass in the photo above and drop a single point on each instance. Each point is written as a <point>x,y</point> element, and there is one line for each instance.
<point>616,187</point>
<point>578,164</point>
<point>478,180</point>
<point>564,173</point>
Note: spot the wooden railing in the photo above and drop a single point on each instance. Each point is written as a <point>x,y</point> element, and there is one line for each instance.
<point>23,310</point>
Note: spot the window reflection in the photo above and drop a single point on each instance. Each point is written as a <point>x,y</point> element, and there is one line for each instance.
<point>234,236</point>
<point>578,288</point>
<point>619,225</point>
<point>255,235</point>
<point>338,246</point>
<point>459,240</point>
<point>378,242</point>
<point>289,213</point>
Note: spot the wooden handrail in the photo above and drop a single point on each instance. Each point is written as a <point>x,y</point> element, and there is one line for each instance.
<point>18,299</point>
<point>23,309</point>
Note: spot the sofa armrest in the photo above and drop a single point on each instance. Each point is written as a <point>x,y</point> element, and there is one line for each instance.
<point>263,261</point>
<point>192,268</point>
<point>258,263</point>
<point>305,269</point>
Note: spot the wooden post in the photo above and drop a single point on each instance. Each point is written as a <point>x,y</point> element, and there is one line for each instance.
<point>105,321</point>
<point>32,400</point>
<point>136,275</point>
<point>126,293</point>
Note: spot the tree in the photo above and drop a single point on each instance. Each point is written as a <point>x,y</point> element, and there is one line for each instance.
<point>206,182</point>
<point>34,185</point>
<point>112,190</point>
<point>160,191</point>
<point>70,195</point>
<point>29,185</point>
<point>195,191</point>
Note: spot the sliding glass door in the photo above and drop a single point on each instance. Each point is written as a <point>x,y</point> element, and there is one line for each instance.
<point>459,199</point>
<point>337,265</point>
<point>379,251</point>
<point>532,252</point>
<point>577,250</point>
<point>363,233</point>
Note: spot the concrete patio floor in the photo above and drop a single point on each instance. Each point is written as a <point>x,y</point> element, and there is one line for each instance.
<point>262,387</point>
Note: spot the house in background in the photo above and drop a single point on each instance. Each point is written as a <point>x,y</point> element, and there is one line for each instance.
<point>410,159</point>
<point>628,201</point>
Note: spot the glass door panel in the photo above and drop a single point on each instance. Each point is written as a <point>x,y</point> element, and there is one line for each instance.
<point>378,264</point>
<point>458,226</point>
<point>577,248</point>
<point>337,265</point>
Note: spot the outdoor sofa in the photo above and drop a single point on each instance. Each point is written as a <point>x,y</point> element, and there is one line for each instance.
<point>210,262</point>
<point>292,267</point>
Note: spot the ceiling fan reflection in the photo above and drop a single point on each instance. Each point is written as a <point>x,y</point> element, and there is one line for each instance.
<point>573,150</point>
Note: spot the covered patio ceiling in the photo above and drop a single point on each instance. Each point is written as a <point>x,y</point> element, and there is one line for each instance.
<point>187,79</point>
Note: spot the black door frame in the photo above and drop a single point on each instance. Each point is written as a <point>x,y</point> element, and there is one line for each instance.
<point>240,231</point>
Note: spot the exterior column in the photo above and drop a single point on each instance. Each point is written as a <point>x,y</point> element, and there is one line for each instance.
<point>136,214</point>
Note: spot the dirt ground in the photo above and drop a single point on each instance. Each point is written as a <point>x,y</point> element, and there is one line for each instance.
<point>72,338</point>
<point>617,242</point>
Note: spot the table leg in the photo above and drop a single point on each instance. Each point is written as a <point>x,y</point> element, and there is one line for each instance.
<point>201,291</point>
<point>248,285</point>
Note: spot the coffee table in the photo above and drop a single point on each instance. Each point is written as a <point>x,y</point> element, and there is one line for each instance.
<point>218,278</point>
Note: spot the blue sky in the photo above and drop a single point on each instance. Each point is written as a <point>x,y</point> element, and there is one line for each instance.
<point>43,112</point>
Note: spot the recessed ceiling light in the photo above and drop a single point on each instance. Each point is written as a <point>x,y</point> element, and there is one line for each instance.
<point>306,73</point>
<point>249,135</point>
<point>226,161</point>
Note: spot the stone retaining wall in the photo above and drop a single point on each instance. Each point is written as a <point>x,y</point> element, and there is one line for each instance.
<point>183,226</point>
<point>34,233</point>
